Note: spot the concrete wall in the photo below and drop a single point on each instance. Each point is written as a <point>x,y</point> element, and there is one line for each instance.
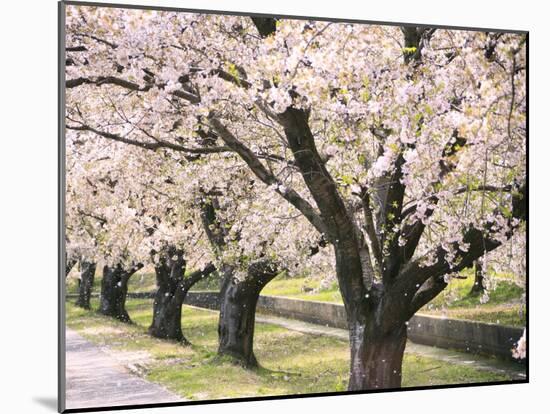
<point>469,336</point>
<point>208,300</point>
<point>323,313</point>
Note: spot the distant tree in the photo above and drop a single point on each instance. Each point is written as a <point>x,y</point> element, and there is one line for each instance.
<point>478,287</point>
<point>87,274</point>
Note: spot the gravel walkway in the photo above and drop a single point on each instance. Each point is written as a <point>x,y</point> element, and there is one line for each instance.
<point>96,379</point>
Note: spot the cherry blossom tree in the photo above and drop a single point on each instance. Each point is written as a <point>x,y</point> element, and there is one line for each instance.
<point>249,259</point>
<point>94,222</point>
<point>120,221</point>
<point>403,148</point>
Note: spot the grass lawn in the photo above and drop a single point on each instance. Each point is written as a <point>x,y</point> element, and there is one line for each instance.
<point>505,305</point>
<point>291,362</point>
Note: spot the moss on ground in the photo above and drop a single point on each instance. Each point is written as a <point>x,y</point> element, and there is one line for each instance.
<point>291,362</point>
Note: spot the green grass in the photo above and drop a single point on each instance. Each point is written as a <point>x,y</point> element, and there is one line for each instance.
<point>456,295</point>
<point>512,315</point>
<point>291,362</point>
<point>302,288</point>
<point>142,282</point>
<point>503,307</point>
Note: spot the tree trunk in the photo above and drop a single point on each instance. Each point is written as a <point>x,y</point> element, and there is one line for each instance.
<point>87,273</point>
<point>238,300</point>
<point>69,264</point>
<point>114,287</point>
<point>168,300</point>
<point>376,358</point>
<point>171,292</point>
<point>167,315</point>
<point>377,329</point>
<point>477,287</point>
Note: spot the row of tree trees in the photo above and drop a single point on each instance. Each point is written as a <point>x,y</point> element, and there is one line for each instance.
<point>391,157</point>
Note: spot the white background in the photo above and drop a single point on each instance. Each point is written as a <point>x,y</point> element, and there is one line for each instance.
<point>28,174</point>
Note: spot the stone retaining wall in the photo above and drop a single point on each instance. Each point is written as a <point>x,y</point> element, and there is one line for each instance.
<point>469,336</point>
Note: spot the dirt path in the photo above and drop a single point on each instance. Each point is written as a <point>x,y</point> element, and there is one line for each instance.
<point>96,379</point>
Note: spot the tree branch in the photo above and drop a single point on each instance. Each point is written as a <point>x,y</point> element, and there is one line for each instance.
<point>188,282</point>
<point>266,176</point>
<point>390,218</point>
<point>150,145</point>
<point>215,232</point>
<point>112,80</point>
<point>428,291</point>
<point>415,39</point>
<point>413,232</point>
<point>351,249</point>
<point>370,227</point>
<point>480,242</point>
<point>490,188</point>
<point>126,274</point>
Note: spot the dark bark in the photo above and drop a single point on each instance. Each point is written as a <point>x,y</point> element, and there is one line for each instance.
<point>265,25</point>
<point>172,288</point>
<point>478,287</point>
<point>376,356</point>
<point>69,264</point>
<point>114,287</point>
<point>238,299</point>
<point>169,272</point>
<point>354,276</point>
<point>214,230</point>
<point>415,38</point>
<point>87,274</point>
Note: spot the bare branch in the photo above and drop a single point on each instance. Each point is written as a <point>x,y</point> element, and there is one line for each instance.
<point>266,176</point>
<point>150,145</point>
<point>113,80</point>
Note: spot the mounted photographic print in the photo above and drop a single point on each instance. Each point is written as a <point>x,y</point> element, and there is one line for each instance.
<point>262,206</point>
